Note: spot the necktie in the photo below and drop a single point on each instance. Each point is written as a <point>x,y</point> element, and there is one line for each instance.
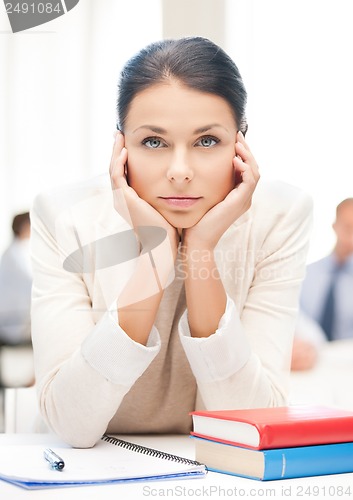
<point>327,320</point>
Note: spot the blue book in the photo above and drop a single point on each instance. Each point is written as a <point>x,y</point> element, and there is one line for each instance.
<point>279,463</point>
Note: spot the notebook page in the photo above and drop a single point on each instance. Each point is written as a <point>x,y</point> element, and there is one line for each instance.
<point>102,463</point>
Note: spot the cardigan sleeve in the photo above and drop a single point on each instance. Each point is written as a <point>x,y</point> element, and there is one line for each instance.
<point>255,373</point>
<point>220,355</point>
<point>83,367</point>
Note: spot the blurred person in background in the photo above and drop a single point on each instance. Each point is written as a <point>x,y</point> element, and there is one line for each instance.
<point>16,284</point>
<point>326,312</point>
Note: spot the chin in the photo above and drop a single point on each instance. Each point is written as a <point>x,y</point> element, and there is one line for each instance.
<point>183,221</point>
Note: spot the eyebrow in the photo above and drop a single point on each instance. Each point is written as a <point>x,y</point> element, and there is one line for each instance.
<point>200,130</point>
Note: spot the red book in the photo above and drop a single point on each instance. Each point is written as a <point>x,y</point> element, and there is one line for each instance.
<point>279,427</point>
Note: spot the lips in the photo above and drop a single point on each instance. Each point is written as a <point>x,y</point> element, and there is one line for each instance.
<point>181,201</point>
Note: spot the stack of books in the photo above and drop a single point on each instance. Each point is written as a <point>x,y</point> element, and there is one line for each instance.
<point>275,443</point>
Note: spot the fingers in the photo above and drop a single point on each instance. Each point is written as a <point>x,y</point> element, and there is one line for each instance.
<point>243,150</point>
<point>244,156</point>
<point>245,189</point>
<point>118,162</point>
<point>241,140</point>
<point>248,172</point>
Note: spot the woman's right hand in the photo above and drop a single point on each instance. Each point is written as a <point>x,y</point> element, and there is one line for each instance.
<point>136,211</point>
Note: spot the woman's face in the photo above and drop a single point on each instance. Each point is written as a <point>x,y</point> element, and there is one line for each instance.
<point>180,145</point>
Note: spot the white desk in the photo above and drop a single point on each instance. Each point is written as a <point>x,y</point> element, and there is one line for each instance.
<point>339,486</point>
<point>330,381</point>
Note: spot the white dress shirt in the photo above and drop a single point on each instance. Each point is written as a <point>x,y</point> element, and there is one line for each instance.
<point>315,288</point>
<point>15,293</point>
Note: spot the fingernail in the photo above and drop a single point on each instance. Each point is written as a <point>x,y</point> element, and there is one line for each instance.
<point>241,134</point>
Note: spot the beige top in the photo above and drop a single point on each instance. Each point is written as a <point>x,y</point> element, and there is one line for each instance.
<point>161,399</point>
<point>92,377</point>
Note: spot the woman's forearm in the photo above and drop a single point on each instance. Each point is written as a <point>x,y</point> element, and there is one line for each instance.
<point>139,302</point>
<point>205,294</point>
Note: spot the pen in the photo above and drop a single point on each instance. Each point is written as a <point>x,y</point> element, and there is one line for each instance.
<point>55,462</point>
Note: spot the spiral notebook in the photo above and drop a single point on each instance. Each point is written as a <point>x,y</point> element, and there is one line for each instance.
<point>111,460</point>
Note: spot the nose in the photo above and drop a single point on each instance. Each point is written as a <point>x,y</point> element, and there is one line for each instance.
<point>180,169</point>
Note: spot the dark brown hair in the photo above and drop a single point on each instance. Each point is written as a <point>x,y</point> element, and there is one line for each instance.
<point>196,62</point>
<point>19,221</point>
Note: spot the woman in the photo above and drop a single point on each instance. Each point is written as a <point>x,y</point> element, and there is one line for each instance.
<point>180,290</point>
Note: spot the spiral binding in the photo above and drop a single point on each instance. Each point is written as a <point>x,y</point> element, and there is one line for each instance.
<point>148,451</point>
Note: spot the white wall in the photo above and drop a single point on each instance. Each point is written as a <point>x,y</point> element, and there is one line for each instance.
<point>296,59</point>
<point>194,17</point>
<point>57,96</point>
<point>58,89</point>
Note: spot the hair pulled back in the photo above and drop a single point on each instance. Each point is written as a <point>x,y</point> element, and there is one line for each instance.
<point>195,62</point>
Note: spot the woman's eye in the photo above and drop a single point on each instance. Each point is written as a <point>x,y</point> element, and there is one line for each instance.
<point>153,142</point>
<point>207,142</point>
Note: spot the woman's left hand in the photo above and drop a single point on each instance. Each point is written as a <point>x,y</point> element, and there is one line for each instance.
<point>206,233</point>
